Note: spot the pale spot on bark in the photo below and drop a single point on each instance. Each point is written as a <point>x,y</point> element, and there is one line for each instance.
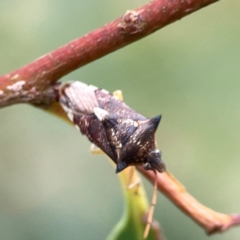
<point>16,86</point>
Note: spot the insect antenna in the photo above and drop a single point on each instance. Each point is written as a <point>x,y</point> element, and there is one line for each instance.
<point>152,207</point>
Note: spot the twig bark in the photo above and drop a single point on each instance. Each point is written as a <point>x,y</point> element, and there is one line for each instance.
<point>31,83</point>
<point>210,220</point>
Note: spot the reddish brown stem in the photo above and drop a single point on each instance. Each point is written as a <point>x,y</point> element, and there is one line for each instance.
<point>210,220</point>
<point>30,83</point>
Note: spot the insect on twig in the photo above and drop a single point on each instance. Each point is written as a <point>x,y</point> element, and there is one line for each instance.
<point>126,136</point>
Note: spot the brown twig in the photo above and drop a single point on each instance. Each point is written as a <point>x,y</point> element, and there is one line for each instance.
<point>210,220</point>
<point>31,83</point>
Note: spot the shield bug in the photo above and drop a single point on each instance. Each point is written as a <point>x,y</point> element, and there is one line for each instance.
<point>126,136</point>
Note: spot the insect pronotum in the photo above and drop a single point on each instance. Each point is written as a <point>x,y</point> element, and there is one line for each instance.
<point>126,136</point>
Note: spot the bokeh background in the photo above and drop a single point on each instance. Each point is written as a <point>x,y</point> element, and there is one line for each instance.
<point>51,188</point>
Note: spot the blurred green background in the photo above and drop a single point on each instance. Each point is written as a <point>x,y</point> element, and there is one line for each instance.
<point>51,188</point>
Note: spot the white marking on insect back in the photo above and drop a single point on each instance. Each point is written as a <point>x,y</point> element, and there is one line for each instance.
<point>100,113</point>
<point>119,145</point>
<point>135,124</point>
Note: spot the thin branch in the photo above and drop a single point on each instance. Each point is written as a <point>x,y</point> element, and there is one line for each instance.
<point>210,220</point>
<point>31,83</point>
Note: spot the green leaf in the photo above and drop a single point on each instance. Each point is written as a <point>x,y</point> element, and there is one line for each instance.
<point>133,222</point>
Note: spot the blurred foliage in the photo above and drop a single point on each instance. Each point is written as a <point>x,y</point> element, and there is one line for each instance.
<point>52,188</point>
<point>132,224</point>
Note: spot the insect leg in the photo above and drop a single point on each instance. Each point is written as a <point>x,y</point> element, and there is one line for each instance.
<point>132,181</point>
<point>118,94</point>
<point>151,210</point>
<point>95,150</point>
